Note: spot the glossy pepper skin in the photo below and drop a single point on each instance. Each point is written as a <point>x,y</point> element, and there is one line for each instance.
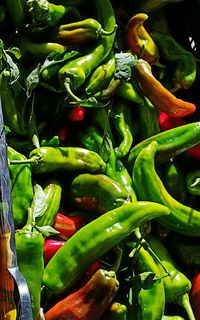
<point>97,192</point>
<point>88,302</point>
<point>148,119</point>
<point>195,295</point>
<point>139,40</point>
<point>67,225</point>
<point>115,311</point>
<point>29,246</point>
<point>79,32</point>
<point>177,285</point>
<point>181,60</point>
<point>193,182</point>
<point>53,197</point>
<point>21,184</point>
<point>51,246</point>
<point>148,308</point>
<point>170,142</point>
<point>182,219</point>
<point>161,97</point>
<point>74,73</point>
<point>92,241</point>
<point>49,159</point>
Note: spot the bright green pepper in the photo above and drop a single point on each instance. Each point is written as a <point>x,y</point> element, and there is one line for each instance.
<point>172,318</point>
<point>21,187</point>
<point>97,192</point>
<point>53,196</point>
<point>193,182</point>
<point>149,186</point>
<point>29,246</point>
<point>49,159</point>
<point>170,142</point>
<point>92,241</point>
<point>129,92</point>
<point>177,285</point>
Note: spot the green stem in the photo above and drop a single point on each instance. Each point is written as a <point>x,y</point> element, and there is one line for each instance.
<point>103,32</point>
<point>69,91</point>
<point>25,161</point>
<point>30,221</point>
<point>118,251</point>
<point>185,302</point>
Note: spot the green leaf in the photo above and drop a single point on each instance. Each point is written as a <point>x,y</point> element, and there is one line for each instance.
<point>47,231</point>
<point>57,57</point>
<point>35,141</point>
<point>14,70</point>
<point>146,280</point>
<point>39,203</point>
<point>15,51</point>
<point>32,80</point>
<point>106,147</point>
<point>124,64</point>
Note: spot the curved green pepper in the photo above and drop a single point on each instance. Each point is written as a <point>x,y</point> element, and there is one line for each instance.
<point>193,182</point>
<point>149,186</point>
<point>48,159</point>
<point>97,192</point>
<point>170,142</point>
<point>177,285</point>
<point>29,247</point>
<point>53,197</point>
<point>21,187</point>
<point>92,241</point>
<point>148,118</point>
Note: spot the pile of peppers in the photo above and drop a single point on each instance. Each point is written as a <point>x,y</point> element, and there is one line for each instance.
<point>101,114</point>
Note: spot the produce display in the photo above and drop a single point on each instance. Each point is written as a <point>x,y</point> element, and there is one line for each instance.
<point>100,101</point>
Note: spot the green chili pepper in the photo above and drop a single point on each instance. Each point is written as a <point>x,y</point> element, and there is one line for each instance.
<point>101,76</point>
<point>116,311</point>
<point>18,12</point>
<point>29,246</point>
<point>185,249</point>
<point>129,92</point>
<point>147,305</point>
<point>79,32</point>
<point>177,57</point>
<point>74,73</point>
<point>148,114</point>
<point>21,187</point>
<point>172,318</point>
<point>170,142</point>
<point>48,159</point>
<point>12,116</point>
<point>97,192</point>
<point>122,121</point>
<point>92,241</point>
<point>177,285</point>
<point>174,179</point>
<point>53,197</point>
<point>149,186</point>
<point>149,6</point>
<point>45,14</point>
<point>110,91</point>
<point>193,182</point>
<point>36,50</point>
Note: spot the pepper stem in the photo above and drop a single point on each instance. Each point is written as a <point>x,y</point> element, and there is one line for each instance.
<point>185,302</point>
<point>25,161</point>
<point>30,221</point>
<point>69,91</point>
<point>103,32</point>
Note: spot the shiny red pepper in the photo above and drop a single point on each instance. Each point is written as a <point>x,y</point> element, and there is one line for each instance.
<point>50,248</point>
<point>76,113</point>
<point>195,296</point>
<point>166,122</point>
<point>194,152</point>
<point>67,225</point>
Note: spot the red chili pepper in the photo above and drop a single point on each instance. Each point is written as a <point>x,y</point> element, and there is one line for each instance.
<point>50,248</point>
<point>166,122</point>
<point>161,98</point>
<point>76,113</point>
<point>67,225</point>
<point>194,152</point>
<point>62,133</point>
<point>195,296</point>
<point>139,40</point>
<point>93,268</point>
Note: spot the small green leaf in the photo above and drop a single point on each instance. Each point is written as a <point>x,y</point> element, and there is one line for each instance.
<point>47,231</point>
<point>146,280</point>
<point>106,147</point>
<point>39,203</point>
<point>57,57</point>
<point>124,64</point>
<point>14,70</point>
<point>15,51</point>
<point>32,80</point>
<point>36,141</point>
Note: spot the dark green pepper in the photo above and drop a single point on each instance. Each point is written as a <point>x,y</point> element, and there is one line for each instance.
<point>53,196</point>
<point>193,182</point>
<point>49,159</point>
<point>177,285</point>
<point>148,119</point>
<point>18,12</point>
<point>29,246</point>
<point>170,142</point>
<point>149,6</point>
<point>149,186</point>
<point>92,241</point>
<point>21,187</point>
<point>97,192</point>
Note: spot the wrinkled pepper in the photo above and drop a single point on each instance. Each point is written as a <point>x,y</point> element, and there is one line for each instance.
<point>91,242</point>
<point>139,40</point>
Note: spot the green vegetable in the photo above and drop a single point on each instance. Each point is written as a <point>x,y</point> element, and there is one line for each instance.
<point>149,186</point>
<point>92,241</point>
<point>193,182</point>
